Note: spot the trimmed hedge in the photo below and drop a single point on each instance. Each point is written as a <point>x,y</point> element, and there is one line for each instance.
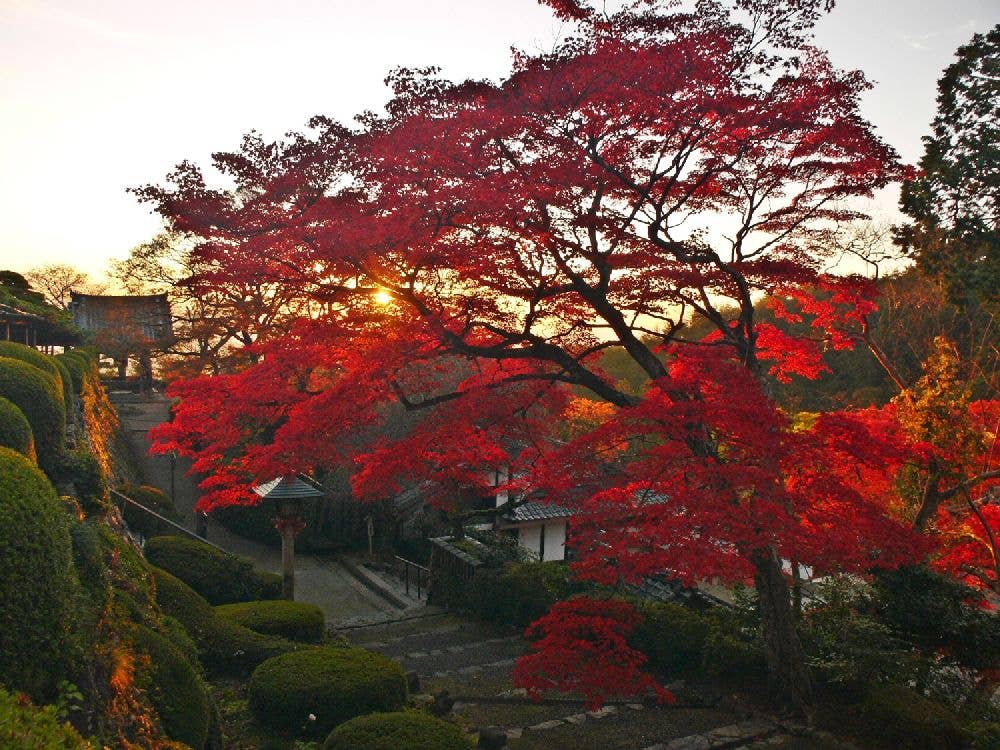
<point>215,575</point>
<point>413,730</point>
<point>296,621</point>
<point>27,727</point>
<point>15,432</point>
<point>175,689</point>
<point>332,684</point>
<point>141,522</point>
<point>67,385</point>
<point>897,717</point>
<point>38,585</point>
<point>81,467</point>
<point>34,357</point>
<point>36,393</point>
<point>223,646</point>
<point>77,368</point>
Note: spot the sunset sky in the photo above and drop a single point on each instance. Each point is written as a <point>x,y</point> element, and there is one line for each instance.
<point>100,95</point>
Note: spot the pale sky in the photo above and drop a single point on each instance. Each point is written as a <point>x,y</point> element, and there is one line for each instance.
<point>100,95</point>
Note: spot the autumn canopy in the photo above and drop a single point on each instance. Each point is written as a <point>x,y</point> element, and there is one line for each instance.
<point>474,251</point>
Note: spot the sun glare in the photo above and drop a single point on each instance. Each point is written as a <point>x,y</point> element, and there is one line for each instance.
<point>383,297</point>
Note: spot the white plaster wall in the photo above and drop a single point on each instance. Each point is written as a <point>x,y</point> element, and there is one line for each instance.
<point>555,540</point>
<point>530,537</point>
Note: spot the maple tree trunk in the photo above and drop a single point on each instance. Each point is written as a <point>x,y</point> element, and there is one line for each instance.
<point>788,675</point>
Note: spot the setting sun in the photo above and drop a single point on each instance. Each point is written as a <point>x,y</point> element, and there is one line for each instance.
<point>383,297</point>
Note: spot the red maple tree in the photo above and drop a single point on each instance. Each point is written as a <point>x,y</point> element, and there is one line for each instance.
<point>662,162</point>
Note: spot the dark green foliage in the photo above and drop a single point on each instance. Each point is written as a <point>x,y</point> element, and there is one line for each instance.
<point>36,394</point>
<point>66,379</point>
<point>38,585</point>
<point>516,594</point>
<point>15,432</point>
<point>333,684</point>
<point>82,468</point>
<point>215,575</point>
<point>26,727</point>
<point>899,718</point>
<point>672,637</point>
<point>936,613</point>
<point>175,689</point>
<point>77,369</point>
<point>955,236</point>
<point>178,636</point>
<point>34,357</point>
<point>143,523</point>
<point>296,621</point>
<point>413,730</point>
<point>984,735</point>
<point>223,646</point>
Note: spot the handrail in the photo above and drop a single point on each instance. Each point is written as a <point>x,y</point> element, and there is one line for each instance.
<point>407,564</point>
<point>176,525</point>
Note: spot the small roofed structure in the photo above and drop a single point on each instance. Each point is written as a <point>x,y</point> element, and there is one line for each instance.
<point>124,326</point>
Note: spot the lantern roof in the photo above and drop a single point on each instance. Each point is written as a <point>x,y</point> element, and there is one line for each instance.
<point>292,486</point>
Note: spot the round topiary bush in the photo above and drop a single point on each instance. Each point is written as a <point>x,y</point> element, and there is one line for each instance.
<point>34,357</point>
<point>35,393</point>
<point>413,730</point>
<point>902,718</point>
<point>175,689</point>
<point>331,684</point>
<point>217,576</point>
<point>67,384</point>
<point>223,646</point>
<point>296,621</point>
<point>143,523</point>
<point>38,584</point>
<point>15,432</point>
<point>27,727</point>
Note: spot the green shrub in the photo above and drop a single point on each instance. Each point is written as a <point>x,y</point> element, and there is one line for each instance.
<point>38,584</point>
<point>36,393</point>
<point>77,368</point>
<point>984,735</point>
<point>296,621</point>
<point>143,523</point>
<point>34,357</point>
<point>223,646</point>
<point>82,468</point>
<point>937,613</point>
<point>66,378</point>
<point>174,688</point>
<point>15,432</point>
<point>219,577</point>
<point>27,727</point>
<point>897,717</point>
<point>517,594</point>
<point>413,730</point>
<point>672,637</point>
<point>332,684</point>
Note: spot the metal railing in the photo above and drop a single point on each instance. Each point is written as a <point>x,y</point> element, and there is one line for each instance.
<point>421,575</point>
<point>167,521</point>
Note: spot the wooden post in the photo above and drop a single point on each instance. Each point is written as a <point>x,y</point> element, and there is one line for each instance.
<point>288,526</point>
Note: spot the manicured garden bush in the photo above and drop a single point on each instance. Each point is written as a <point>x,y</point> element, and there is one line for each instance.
<point>67,385</point>
<point>34,357</point>
<point>215,575</point>
<point>296,621</point>
<point>15,432</point>
<point>332,684</point>
<point>897,717</point>
<point>24,726</point>
<point>143,523</point>
<point>672,637</point>
<point>223,646</point>
<point>413,730</point>
<point>38,584</point>
<point>36,393</point>
<point>175,689</point>
<point>81,467</point>
<point>77,368</point>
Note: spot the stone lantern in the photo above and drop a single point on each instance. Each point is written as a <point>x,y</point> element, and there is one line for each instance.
<point>289,494</point>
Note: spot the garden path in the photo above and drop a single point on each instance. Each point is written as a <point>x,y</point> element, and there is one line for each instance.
<point>321,581</point>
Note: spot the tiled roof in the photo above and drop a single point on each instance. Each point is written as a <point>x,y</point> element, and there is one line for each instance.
<point>537,512</point>
<point>282,488</point>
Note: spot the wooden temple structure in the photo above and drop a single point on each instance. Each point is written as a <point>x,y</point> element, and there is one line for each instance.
<point>125,326</point>
<point>33,330</point>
